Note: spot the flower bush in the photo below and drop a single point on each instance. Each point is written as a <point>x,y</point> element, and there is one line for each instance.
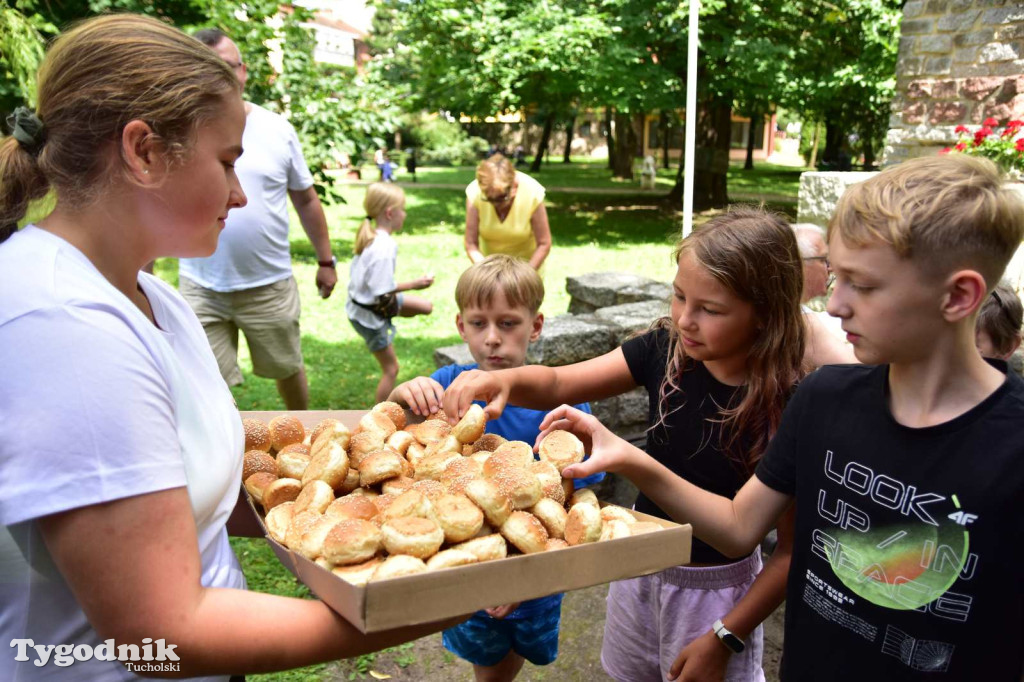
<point>1004,146</point>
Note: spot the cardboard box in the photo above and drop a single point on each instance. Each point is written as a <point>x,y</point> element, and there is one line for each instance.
<point>435,595</point>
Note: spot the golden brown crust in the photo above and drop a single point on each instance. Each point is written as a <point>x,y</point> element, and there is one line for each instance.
<point>292,464</point>
<point>382,502</point>
<point>285,429</point>
<point>377,421</point>
<point>486,548</point>
<point>461,467</point>
<point>522,488</point>
<point>552,515</point>
<point>432,489</point>
<point>471,426</point>
<point>257,460</point>
<point>315,495</point>
<point>279,491</point>
<point>399,441</point>
<point>413,536</point>
<point>352,507</point>
<point>358,574</point>
<point>525,531</point>
<point>457,485</point>
<point>321,426</point>
<point>379,466</point>
<point>277,520</point>
<point>583,524</point>
<point>488,442</point>
<point>433,466</point>
<point>398,566</point>
<point>330,465</point>
<point>486,495</point>
<point>585,496</point>
<point>459,518</point>
<point>397,486</point>
<point>614,529</point>
<point>409,503</point>
<point>561,448</point>
<point>299,524</point>
<point>311,542</point>
<point>362,444</point>
<point>255,484</point>
<point>332,433</point>
<point>257,435</point>
<point>352,541</point>
<point>550,480</point>
<point>301,448</point>
<point>432,430</point>
<point>450,558</point>
<point>440,415</point>
<point>514,452</point>
<point>393,411</point>
<point>446,444</point>
<point>611,512</point>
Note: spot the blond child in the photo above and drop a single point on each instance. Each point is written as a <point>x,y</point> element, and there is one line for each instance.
<point>373,297</point>
<point>906,471</point>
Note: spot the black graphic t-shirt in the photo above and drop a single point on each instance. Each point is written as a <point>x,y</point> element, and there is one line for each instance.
<point>689,440</point>
<point>908,561</point>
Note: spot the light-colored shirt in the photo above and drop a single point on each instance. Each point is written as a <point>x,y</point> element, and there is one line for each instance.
<point>371,274</point>
<point>253,249</point>
<point>97,405</point>
<point>512,236</point>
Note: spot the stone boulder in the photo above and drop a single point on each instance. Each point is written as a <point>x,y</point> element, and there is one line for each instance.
<point>596,290</point>
<point>629,318</point>
<point>453,355</point>
<point>571,338</point>
<point>819,192</point>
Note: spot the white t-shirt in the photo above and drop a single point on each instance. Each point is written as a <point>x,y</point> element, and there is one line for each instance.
<point>98,404</point>
<point>371,274</point>
<point>253,250</point>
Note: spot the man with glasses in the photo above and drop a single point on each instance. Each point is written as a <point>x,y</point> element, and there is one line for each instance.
<point>247,284</point>
<point>826,341</point>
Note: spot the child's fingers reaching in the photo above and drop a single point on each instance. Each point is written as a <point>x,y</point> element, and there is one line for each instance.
<point>470,386</point>
<point>426,396</point>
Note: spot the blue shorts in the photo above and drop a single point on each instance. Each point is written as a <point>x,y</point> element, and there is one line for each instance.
<point>378,339</point>
<point>485,641</point>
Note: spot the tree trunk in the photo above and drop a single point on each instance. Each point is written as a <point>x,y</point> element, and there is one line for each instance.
<point>711,157</point>
<point>751,139</point>
<point>832,157</point>
<point>814,146</point>
<point>625,147</point>
<point>542,146</point>
<point>568,140</point>
<point>609,139</point>
<point>663,125</point>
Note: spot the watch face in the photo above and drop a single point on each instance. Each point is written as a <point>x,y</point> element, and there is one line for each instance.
<point>733,642</point>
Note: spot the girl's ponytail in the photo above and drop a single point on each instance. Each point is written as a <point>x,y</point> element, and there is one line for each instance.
<point>21,182</point>
<point>365,235</point>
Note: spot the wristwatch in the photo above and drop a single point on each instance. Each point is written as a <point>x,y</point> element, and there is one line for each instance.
<point>333,263</point>
<point>728,639</point>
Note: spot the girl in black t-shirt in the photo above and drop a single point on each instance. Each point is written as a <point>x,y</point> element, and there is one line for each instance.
<point>718,372</point>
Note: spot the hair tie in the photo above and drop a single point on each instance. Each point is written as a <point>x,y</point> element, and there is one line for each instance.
<point>369,217</point>
<point>27,129</point>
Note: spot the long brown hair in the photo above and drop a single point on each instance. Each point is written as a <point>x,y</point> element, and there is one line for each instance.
<point>95,79</point>
<point>754,254</point>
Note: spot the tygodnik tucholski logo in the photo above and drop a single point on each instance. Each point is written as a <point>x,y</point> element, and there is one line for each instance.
<point>152,656</point>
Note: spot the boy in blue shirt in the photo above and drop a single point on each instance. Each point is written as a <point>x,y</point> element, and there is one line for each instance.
<point>499,301</point>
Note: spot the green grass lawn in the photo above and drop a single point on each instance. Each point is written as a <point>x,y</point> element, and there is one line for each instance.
<point>591,233</point>
<point>583,172</point>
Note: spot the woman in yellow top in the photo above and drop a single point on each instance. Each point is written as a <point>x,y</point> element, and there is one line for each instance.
<point>505,214</point>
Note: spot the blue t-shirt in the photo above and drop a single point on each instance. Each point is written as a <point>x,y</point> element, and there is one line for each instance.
<point>517,423</point>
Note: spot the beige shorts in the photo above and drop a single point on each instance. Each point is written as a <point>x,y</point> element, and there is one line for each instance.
<point>269,317</point>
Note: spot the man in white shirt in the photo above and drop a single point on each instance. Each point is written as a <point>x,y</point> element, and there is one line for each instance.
<point>247,284</point>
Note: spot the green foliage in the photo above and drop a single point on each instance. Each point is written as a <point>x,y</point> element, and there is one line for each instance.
<point>442,142</point>
<point>21,51</point>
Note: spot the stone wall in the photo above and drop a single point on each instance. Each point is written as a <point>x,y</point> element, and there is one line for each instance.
<point>960,62</point>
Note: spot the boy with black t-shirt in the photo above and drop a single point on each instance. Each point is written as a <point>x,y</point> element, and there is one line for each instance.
<point>908,471</point>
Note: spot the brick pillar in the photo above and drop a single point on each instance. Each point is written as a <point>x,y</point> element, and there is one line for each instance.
<point>960,62</point>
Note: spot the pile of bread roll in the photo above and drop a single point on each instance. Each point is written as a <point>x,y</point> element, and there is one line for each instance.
<point>389,499</point>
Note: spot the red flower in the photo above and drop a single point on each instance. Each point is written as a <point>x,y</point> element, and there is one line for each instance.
<point>946,150</point>
<point>990,122</point>
<point>980,136</point>
<point>1014,124</point>
<point>962,129</point>
<point>1020,145</point>
<point>961,146</point>
<point>1008,132</point>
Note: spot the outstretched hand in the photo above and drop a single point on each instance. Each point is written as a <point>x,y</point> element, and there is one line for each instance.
<point>704,659</point>
<point>475,385</point>
<point>422,395</point>
<point>608,452</point>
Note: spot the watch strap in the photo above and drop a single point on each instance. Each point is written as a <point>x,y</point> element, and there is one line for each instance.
<point>328,263</point>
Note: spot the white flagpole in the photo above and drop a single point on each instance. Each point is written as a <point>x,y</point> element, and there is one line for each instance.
<point>691,118</point>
